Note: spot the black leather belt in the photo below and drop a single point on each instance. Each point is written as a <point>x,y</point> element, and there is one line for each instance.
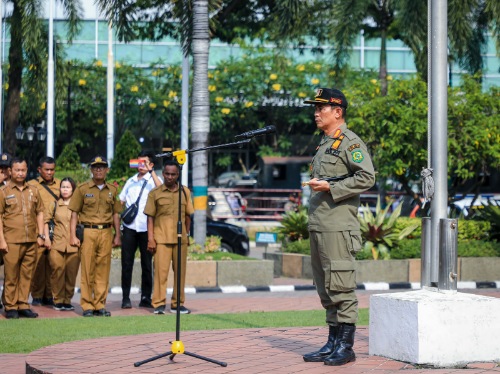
<point>98,227</point>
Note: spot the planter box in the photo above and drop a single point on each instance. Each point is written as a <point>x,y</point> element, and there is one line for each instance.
<point>391,271</point>
<point>207,273</point>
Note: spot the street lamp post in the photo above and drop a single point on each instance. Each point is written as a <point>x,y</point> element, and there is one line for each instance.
<point>33,137</point>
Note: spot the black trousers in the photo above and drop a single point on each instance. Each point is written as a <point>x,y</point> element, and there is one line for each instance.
<point>132,239</point>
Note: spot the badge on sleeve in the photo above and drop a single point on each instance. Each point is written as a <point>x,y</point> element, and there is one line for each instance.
<point>357,156</point>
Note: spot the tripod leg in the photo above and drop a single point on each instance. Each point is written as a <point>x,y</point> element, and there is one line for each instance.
<point>223,364</point>
<point>136,364</point>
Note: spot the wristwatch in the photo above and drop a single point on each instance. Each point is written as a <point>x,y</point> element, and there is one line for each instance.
<point>41,236</point>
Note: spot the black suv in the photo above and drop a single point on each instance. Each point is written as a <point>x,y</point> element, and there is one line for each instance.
<point>234,239</point>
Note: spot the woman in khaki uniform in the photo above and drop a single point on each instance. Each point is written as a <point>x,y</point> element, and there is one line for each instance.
<point>64,258</point>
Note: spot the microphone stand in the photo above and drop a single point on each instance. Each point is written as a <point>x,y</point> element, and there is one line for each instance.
<point>177,347</point>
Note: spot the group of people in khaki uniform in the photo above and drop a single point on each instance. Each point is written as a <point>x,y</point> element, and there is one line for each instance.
<point>47,263</point>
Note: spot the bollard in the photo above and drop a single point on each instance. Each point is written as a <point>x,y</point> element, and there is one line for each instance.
<point>425,254</point>
<point>448,262</point>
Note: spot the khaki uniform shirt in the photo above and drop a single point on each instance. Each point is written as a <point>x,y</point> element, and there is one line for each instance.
<point>338,155</point>
<point>163,204</point>
<point>95,206</point>
<point>47,198</point>
<point>19,209</point>
<point>62,218</point>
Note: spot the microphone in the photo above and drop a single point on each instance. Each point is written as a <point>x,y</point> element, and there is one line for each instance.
<point>251,134</point>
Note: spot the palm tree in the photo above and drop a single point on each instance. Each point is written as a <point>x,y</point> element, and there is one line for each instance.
<point>26,48</point>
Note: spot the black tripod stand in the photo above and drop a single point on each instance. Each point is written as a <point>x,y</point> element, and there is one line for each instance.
<point>177,346</point>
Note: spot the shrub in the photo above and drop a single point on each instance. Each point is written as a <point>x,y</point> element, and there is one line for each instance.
<point>408,248</point>
<point>294,226</point>
<point>404,222</point>
<point>473,230</point>
<point>127,148</point>
<point>478,248</point>
<point>302,246</point>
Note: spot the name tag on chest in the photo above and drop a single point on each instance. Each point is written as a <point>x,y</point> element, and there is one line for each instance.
<point>331,151</point>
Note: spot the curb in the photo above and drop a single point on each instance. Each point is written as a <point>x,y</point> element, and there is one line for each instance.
<point>369,286</point>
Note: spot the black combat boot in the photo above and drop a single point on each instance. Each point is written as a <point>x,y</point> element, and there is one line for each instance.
<point>328,348</point>
<point>343,352</point>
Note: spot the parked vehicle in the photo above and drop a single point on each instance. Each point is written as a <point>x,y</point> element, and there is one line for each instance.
<point>468,204</point>
<point>234,239</point>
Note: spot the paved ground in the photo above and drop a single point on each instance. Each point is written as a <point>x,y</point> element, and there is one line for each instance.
<point>245,350</point>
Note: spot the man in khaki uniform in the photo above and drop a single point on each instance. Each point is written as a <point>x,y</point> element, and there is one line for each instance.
<point>333,222</point>
<point>162,209</point>
<point>96,206</point>
<point>5,160</point>
<point>48,186</point>
<point>21,209</point>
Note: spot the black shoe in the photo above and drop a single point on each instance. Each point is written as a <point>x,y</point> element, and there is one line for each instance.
<point>145,302</point>
<point>182,310</point>
<point>343,352</point>
<point>102,313</point>
<point>160,310</point>
<point>48,301</point>
<point>58,306</point>
<point>325,351</point>
<point>88,313</point>
<point>126,304</point>
<point>27,313</point>
<point>37,301</point>
<point>11,314</point>
<point>68,307</point>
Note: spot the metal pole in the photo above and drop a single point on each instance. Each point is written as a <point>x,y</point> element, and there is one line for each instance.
<point>439,140</point>
<point>185,115</point>
<point>111,99</point>
<point>425,256</point>
<point>448,264</point>
<point>50,84</point>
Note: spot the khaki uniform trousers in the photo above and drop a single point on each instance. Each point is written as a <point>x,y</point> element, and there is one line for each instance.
<point>40,281</point>
<point>165,255</point>
<point>64,271</point>
<point>95,254</point>
<point>334,274</point>
<point>18,264</point>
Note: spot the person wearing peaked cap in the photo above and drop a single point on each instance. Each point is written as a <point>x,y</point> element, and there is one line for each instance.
<point>5,160</point>
<point>333,223</point>
<point>95,204</point>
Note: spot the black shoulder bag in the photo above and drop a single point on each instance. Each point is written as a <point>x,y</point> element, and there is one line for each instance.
<point>129,214</point>
<point>51,223</point>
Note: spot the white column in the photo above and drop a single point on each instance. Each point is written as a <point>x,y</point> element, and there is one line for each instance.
<point>110,134</point>
<point>50,84</point>
<point>185,116</point>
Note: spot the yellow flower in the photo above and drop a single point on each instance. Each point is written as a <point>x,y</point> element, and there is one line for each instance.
<point>377,90</point>
<point>166,103</point>
<point>273,77</point>
<point>374,81</point>
<point>82,82</point>
<point>315,81</point>
<point>302,94</point>
<point>154,73</point>
<point>301,68</point>
<point>118,65</point>
<point>210,75</point>
<point>152,106</point>
<point>218,99</point>
<point>42,107</point>
<point>317,66</point>
<point>172,94</point>
<point>212,88</point>
<point>134,88</point>
<point>100,121</point>
<point>32,67</point>
<point>389,77</point>
<point>225,110</point>
<point>118,86</point>
<point>332,73</point>
<point>98,63</point>
<point>21,95</point>
<point>276,86</point>
<point>6,85</point>
<point>248,104</point>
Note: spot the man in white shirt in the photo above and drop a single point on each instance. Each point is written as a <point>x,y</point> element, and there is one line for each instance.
<point>136,233</point>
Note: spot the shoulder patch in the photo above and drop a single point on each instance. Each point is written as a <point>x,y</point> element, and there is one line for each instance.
<point>357,156</point>
<point>352,147</point>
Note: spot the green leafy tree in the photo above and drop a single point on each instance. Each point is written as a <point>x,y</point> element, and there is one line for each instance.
<point>127,148</point>
<point>69,158</point>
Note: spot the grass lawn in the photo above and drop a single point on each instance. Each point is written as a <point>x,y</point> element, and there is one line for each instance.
<point>27,335</point>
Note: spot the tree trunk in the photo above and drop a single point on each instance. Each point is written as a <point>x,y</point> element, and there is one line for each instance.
<point>200,114</point>
<point>383,63</point>
<point>12,103</point>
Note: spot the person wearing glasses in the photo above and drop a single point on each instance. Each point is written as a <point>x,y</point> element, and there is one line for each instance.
<point>333,222</point>
<point>95,204</point>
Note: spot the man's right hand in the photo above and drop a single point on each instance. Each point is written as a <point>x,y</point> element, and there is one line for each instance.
<point>74,241</point>
<point>3,247</point>
<point>152,245</point>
